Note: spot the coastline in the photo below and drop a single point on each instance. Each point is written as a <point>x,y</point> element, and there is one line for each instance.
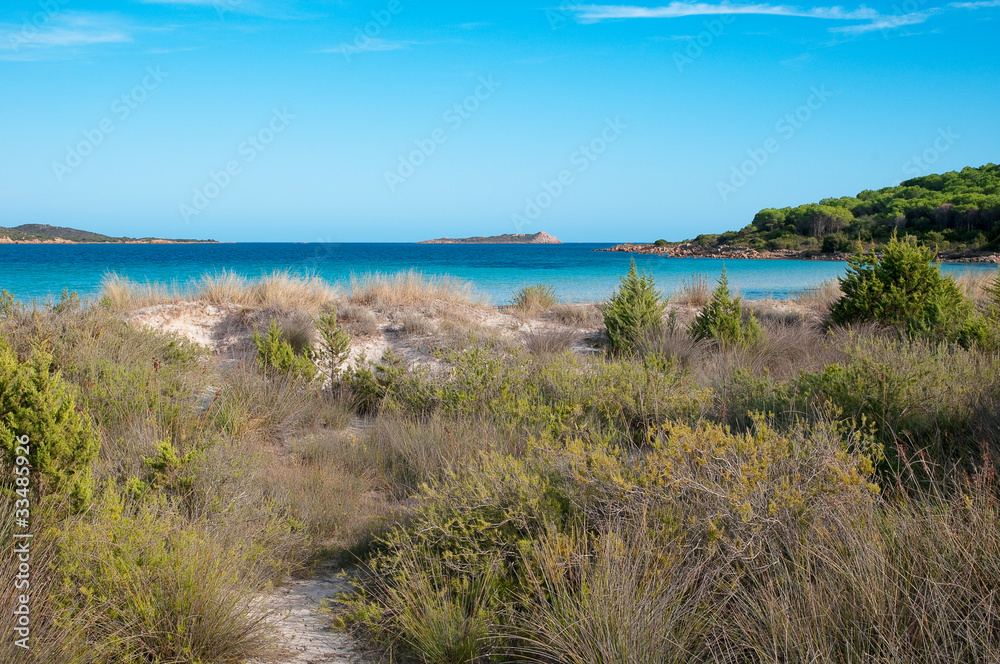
<point>691,250</point>
<point>59,240</point>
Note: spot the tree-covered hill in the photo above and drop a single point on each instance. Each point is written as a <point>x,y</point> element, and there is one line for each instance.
<point>47,233</point>
<point>951,211</point>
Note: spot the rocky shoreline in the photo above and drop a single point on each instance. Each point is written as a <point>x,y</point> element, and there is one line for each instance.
<point>691,250</point>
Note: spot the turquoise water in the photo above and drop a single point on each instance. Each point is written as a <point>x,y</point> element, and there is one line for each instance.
<point>578,273</point>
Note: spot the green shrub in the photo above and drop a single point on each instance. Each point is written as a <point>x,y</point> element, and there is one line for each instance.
<point>35,402</point>
<point>68,301</point>
<point>905,289</point>
<point>166,590</point>
<point>661,243</point>
<point>508,540</point>
<point>634,312</point>
<point>921,399</point>
<point>918,394</point>
<point>275,354</point>
<point>722,319</point>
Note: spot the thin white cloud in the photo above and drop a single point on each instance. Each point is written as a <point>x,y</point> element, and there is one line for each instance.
<point>60,36</point>
<point>799,59</point>
<point>976,5</point>
<point>884,23</point>
<point>282,10</point>
<point>370,46</point>
<point>659,38</point>
<point>595,13</point>
<point>869,20</point>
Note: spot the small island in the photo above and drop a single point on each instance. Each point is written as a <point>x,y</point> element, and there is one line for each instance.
<point>511,238</point>
<point>46,234</point>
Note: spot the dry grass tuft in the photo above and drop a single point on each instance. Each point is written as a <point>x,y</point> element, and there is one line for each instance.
<point>694,292</point>
<point>545,343</point>
<point>779,312</point>
<point>977,286</point>
<point>410,289</point>
<point>360,321</point>
<point>281,290</point>
<point>415,324</point>
<point>123,294</point>
<point>586,316</point>
<point>252,405</point>
<point>677,345</point>
<point>57,634</point>
<point>338,507</point>
<point>821,298</point>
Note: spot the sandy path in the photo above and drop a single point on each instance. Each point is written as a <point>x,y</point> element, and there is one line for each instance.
<point>303,625</point>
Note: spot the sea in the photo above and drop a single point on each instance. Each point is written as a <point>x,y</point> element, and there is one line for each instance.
<point>578,273</point>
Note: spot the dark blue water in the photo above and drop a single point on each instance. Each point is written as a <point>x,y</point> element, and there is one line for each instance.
<point>576,271</point>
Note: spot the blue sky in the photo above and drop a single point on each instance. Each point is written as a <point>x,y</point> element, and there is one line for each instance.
<point>402,120</point>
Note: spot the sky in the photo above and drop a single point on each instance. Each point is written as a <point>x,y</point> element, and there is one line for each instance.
<point>403,120</point>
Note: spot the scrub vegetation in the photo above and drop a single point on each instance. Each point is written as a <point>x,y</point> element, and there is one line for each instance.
<point>709,481</point>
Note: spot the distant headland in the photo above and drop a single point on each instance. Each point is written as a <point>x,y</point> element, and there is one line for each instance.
<point>510,238</point>
<point>956,214</point>
<point>45,234</point>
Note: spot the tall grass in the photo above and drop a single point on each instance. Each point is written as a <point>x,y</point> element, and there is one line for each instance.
<point>57,635</point>
<point>175,591</point>
<point>978,286</point>
<point>410,289</point>
<point>821,297</point>
<point>578,315</point>
<point>281,289</point>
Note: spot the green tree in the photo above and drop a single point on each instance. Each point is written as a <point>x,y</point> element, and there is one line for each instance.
<point>334,341</point>
<point>635,311</point>
<point>37,404</point>
<point>722,319</point>
<point>904,288</point>
<point>835,242</point>
<point>769,220</point>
